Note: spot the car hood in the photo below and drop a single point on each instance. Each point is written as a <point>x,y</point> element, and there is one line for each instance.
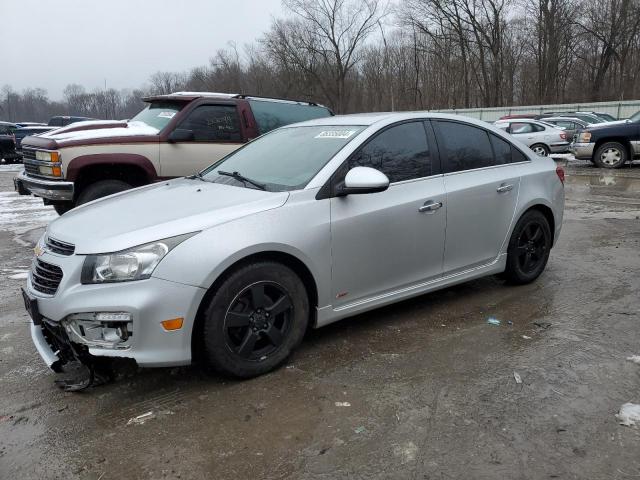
<point>95,132</point>
<point>600,126</point>
<point>158,211</point>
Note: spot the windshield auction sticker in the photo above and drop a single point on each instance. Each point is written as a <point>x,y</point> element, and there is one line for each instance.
<point>166,114</point>
<point>335,134</point>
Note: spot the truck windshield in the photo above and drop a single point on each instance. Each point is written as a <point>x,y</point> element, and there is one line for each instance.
<point>285,159</point>
<point>158,114</point>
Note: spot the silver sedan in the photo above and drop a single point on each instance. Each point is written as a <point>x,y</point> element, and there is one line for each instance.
<point>541,137</point>
<point>307,225</point>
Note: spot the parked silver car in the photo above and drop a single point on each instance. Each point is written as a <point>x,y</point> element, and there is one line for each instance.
<point>543,138</point>
<point>306,225</point>
<point>570,125</point>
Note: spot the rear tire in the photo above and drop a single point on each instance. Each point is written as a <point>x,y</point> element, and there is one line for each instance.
<point>540,149</point>
<point>610,155</point>
<point>255,319</point>
<point>102,189</point>
<point>529,248</point>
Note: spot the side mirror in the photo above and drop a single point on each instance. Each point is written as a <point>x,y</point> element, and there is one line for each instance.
<point>363,180</point>
<point>181,135</point>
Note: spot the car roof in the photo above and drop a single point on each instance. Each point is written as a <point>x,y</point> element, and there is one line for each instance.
<point>189,96</point>
<point>565,117</point>
<point>367,119</point>
<point>8,123</point>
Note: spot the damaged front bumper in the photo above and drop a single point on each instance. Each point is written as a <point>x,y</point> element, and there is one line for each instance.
<point>117,320</point>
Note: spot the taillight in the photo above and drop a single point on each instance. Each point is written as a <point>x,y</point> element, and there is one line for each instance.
<point>563,136</point>
<point>560,173</point>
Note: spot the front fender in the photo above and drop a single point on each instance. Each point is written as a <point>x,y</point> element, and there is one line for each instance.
<point>132,159</point>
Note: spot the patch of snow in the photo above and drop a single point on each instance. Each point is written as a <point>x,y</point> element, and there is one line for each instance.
<point>629,414</point>
<point>21,213</point>
<point>406,452</point>
<point>343,404</point>
<point>133,128</point>
<point>17,167</point>
<point>634,359</point>
<point>19,276</point>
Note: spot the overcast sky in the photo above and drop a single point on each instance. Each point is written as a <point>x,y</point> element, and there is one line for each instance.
<point>51,43</point>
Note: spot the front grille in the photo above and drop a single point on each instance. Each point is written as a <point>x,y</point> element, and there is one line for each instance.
<point>29,168</point>
<point>29,153</point>
<point>45,277</point>
<point>61,248</point>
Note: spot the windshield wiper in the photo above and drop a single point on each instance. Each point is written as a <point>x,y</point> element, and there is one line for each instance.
<point>196,176</point>
<point>242,178</point>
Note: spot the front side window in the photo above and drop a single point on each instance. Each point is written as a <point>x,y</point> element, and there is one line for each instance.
<point>465,147</point>
<point>400,152</point>
<point>284,159</point>
<point>214,123</point>
<point>159,114</point>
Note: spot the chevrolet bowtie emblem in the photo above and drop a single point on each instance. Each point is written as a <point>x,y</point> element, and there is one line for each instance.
<point>38,250</point>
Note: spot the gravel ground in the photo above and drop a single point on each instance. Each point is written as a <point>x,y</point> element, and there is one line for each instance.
<point>424,389</point>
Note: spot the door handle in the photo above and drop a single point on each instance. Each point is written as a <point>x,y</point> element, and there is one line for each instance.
<point>504,188</point>
<point>430,206</point>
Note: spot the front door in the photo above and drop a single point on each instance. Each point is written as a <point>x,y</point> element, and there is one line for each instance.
<point>481,183</point>
<point>216,133</point>
<point>382,242</point>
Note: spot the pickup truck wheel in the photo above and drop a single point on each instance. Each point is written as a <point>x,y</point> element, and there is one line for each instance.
<point>540,149</point>
<point>255,319</point>
<point>102,189</point>
<point>62,207</point>
<point>610,155</point>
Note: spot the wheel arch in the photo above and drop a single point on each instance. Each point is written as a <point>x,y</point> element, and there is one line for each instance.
<point>288,259</point>
<point>543,208</point>
<point>134,169</point>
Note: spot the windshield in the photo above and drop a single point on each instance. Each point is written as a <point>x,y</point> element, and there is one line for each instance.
<point>635,117</point>
<point>285,159</point>
<point>158,114</point>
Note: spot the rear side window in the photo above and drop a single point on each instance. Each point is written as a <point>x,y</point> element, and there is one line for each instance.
<point>272,114</point>
<point>465,147</point>
<point>400,152</point>
<point>214,123</point>
<point>501,150</point>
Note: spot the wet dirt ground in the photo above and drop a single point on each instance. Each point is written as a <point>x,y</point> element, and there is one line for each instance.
<point>424,389</point>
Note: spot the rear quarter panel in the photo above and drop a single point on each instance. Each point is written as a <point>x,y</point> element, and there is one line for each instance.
<point>540,185</point>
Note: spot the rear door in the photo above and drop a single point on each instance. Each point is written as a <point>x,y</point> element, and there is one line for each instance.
<point>216,133</point>
<point>382,242</point>
<point>481,183</point>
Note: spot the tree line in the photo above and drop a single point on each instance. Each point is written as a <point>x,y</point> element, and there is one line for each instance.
<point>369,55</point>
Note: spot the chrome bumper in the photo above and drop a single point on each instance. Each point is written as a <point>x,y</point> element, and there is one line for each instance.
<point>582,151</point>
<point>55,190</point>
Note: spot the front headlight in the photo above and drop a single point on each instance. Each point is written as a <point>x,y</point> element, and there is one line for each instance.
<point>47,156</point>
<point>136,263</point>
<point>584,137</point>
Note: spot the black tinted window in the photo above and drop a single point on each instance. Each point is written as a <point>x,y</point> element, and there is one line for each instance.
<point>214,123</point>
<point>270,115</point>
<point>518,156</point>
<point>464,146</point>
<point>400,152</point>
<point>501,150</point>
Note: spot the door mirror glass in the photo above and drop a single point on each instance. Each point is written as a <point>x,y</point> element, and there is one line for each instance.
<point>363,180</point>
<point>181,135</point>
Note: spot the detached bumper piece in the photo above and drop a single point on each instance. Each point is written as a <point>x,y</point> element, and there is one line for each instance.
<point>69,358</point>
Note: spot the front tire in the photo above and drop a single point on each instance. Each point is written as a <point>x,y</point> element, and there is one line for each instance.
<point>62,207</point>
<point>610,155</point>
<point>255,319</point>
<point>529,248</point>
<point>101,189</point>
<point>541,149</point>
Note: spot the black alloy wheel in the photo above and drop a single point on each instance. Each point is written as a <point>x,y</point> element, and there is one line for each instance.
<point>257,320</point>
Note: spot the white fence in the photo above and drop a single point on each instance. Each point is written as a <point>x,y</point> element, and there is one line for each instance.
<point>622,109</point>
